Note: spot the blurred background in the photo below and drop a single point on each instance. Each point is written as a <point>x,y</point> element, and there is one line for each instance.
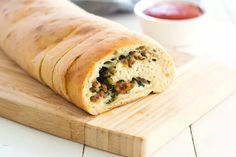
<point>109,7</point>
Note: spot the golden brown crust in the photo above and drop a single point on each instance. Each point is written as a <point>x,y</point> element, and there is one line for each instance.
<point>28,29</point>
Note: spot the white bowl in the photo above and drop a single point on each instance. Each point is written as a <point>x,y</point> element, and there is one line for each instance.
<point>169,32</point>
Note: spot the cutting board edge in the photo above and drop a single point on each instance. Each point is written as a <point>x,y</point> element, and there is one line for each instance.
<point>74,129</point>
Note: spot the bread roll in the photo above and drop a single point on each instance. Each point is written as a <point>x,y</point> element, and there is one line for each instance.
<point>92,62</point>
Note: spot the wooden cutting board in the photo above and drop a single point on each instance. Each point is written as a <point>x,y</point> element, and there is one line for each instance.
<point>134,130</point>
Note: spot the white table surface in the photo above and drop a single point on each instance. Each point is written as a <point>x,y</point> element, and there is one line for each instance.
<point>211,136</point>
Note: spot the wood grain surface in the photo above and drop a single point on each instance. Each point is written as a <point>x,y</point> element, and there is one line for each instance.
<point>137,129</point>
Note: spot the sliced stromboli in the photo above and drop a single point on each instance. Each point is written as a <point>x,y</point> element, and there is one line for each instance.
<point>148,69</point>
<point>92,62</point>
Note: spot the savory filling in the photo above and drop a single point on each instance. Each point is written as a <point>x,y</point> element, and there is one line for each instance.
<point>105,86</point>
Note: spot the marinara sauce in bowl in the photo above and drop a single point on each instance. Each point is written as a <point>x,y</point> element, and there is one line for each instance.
<point>172,23</point>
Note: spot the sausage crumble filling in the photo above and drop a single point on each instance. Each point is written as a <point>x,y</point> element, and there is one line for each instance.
<point>105,87</point>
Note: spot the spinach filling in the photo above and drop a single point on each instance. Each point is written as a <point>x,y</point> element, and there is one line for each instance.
<point>104,86</point>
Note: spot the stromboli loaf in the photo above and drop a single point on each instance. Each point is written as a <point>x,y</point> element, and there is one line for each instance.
<point>92,62</point>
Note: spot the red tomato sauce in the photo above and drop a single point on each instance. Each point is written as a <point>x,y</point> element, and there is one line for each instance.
<point>174,10</point>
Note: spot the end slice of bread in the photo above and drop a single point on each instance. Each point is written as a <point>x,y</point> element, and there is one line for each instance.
<point>130,73</point>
